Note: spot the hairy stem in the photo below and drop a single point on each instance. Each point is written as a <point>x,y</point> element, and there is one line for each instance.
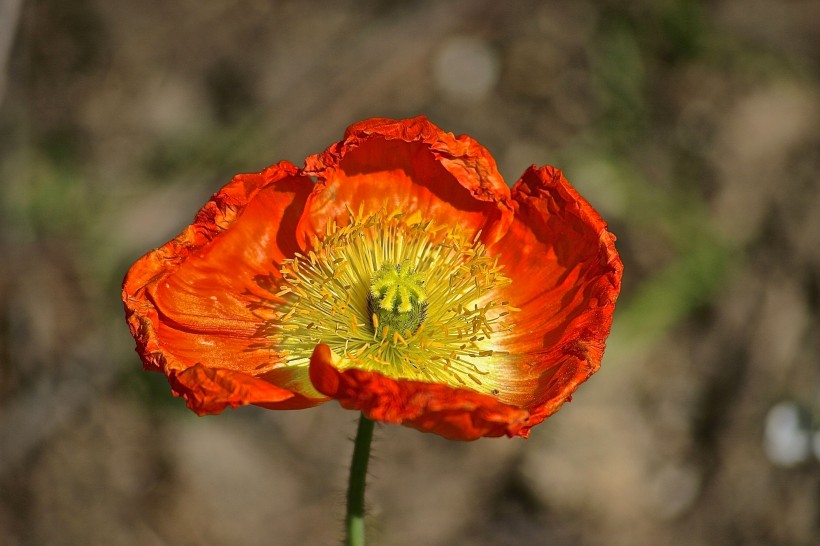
<point>356,485</point>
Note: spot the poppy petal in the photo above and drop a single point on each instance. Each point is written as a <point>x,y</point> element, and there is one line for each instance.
<point>210,390</point>
<point>409,165</point>
<point>457,414</point>
<point>566,276</point>
<point>197,306</point>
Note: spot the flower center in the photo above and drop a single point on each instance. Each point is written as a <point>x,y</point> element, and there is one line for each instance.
<point>397,298</point>
<point>397,295</point>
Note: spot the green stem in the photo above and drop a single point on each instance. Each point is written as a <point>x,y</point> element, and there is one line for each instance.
<point>355,488</point>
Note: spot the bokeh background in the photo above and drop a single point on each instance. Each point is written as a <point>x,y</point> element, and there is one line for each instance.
<point>693,127</point>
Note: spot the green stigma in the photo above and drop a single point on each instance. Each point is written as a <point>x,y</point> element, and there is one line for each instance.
<point>397,298</point>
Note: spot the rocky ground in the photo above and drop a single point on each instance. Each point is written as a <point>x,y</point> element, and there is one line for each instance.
<point>693,127</point>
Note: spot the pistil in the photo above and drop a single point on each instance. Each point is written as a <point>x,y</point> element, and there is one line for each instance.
<point>397,298</point>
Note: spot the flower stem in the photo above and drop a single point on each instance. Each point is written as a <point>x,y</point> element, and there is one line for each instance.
<point>355,487</point>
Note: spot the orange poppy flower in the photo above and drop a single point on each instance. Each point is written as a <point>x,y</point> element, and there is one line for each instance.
<point>407,281</point>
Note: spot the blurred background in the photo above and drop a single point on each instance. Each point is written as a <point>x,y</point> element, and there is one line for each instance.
<point>693,127</point>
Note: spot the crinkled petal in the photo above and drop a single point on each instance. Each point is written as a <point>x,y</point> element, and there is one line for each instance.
<point>198,306</point>
<point>457,414</point>
<point>210,390</point>
<point>566,276</point>
<point>410,165</point>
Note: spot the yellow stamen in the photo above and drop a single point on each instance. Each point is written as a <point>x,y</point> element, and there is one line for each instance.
<point>398,295</point>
